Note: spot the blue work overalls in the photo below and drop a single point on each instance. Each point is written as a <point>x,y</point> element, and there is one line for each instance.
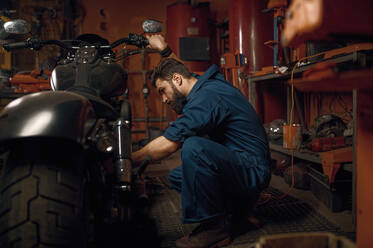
<point>225,155</point>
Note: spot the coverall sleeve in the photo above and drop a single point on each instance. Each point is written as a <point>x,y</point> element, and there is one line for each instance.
<point>200,116</point>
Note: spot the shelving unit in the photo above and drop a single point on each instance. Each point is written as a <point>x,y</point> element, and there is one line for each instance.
<point>356,77</point>
<point>354,74</point>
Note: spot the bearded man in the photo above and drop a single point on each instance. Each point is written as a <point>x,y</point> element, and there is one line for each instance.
<point>224,148</point>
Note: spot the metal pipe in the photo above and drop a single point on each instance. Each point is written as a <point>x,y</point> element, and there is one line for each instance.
<point>275,38</point>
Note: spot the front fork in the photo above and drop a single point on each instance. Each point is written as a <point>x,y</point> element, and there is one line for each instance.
<point>122,155</point>
<point>122,191</point>
<point>124,194</point>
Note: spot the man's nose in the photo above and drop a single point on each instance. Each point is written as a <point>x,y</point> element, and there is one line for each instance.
<point>164,99</point>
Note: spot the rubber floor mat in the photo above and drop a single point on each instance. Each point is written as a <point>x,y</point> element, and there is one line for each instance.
<point>286,215</point>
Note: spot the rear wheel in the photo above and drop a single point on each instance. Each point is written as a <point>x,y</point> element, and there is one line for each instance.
<point>41,204</point>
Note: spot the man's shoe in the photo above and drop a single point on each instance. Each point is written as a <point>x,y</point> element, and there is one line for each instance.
<point>207,235</point>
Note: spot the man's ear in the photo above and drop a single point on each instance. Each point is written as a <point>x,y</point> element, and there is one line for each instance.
<point>177,78</point>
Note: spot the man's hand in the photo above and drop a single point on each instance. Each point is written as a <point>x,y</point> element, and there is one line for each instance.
<point>158,149</point>
<point>156,41</point>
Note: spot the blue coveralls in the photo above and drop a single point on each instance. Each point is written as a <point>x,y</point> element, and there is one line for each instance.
<point>225,154</point>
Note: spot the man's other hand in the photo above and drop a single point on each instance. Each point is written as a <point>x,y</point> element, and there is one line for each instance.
<point>156,41</point>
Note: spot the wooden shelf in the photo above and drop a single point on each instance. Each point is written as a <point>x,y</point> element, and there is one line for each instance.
<point>304,155</point>
<point>351,57</point>
<point>307,156</point>
<point>346,81</point>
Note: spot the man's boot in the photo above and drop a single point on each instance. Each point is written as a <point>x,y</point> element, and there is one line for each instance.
<point>211,234</point>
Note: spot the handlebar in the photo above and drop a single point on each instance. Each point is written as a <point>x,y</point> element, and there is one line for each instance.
<point>55,42</point>
<point>35,44</point>
<point>133,39</point>
<point>14,46</point>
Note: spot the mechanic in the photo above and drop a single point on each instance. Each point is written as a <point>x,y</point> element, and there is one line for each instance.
<point>224,148</point>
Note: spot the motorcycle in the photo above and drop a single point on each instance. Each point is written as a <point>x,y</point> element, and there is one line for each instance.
<point>68,177</point>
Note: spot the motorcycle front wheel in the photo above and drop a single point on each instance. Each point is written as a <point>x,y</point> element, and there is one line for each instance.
<point>42,203</point>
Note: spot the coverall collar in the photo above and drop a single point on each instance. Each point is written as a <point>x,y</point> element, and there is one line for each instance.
<point>211,71</point>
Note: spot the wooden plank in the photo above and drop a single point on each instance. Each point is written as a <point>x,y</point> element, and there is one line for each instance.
<point>346,81</point>
<point>309,156</point>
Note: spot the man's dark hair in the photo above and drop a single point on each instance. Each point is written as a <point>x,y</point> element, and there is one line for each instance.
<point>166,69</point>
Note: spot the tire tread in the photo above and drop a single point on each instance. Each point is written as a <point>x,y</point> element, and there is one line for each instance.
<point>41,205</point>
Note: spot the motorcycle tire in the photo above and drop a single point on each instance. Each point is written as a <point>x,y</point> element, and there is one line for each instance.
<point>42,204</point>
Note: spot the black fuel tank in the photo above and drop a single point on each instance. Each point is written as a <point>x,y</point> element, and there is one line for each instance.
<point>108,79</point>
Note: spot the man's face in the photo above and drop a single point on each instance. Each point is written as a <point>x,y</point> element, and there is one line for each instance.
<point>171,95</point>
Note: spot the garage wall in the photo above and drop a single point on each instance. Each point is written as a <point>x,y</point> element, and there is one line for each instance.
<point>115,19</point>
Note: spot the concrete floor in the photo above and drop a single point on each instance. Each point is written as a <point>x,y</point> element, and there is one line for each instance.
<point>343,220</point>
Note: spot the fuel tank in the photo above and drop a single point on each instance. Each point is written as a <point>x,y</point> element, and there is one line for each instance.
<point>107,79</point>
<point>48,114</point>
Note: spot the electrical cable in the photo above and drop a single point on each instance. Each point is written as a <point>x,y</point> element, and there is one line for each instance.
<point>269,196</point>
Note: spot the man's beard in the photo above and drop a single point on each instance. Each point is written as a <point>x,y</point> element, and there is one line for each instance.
<point>179,100</point>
